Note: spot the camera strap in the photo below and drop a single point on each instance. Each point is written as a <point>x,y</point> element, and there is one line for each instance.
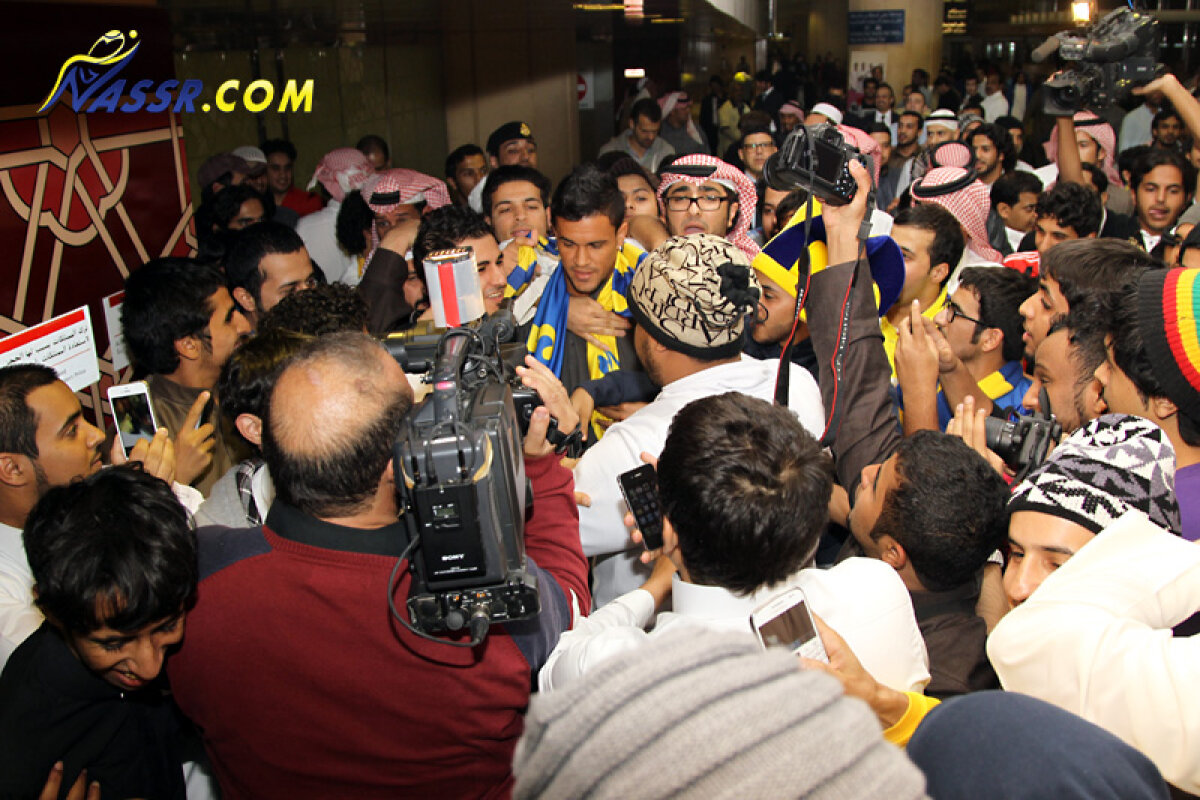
<point>837,362</point>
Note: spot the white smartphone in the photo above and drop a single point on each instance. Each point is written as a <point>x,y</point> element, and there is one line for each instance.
<point>785,621</point>
<point>133,413</point>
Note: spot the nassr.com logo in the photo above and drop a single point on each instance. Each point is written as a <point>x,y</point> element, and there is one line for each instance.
<point>91,79</point>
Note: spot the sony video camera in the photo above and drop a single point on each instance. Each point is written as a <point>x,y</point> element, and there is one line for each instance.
<point>460,472</point>
<point>816,158</point>
<point>1024,443</point>
<point>1107,59</point>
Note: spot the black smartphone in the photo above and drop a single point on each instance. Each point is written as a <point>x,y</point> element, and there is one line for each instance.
<point>640,488</point>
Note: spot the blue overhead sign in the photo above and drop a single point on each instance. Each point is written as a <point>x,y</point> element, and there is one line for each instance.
<point>876,27</point>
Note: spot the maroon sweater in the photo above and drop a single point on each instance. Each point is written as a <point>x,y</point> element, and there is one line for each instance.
<point>304,687</point>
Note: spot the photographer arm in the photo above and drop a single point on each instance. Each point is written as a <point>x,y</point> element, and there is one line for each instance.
<point>868,432</point>
<point>552,531</point>
<point>382,285</point>
<point>1187,106</point>
<point>1070,166</point>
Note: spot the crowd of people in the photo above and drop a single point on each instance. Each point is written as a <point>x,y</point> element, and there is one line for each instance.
<point>960,412</point>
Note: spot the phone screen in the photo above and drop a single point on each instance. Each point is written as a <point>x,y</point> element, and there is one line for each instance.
<point>792,629</point>
<point>640,487</point>
<point>134,419</point>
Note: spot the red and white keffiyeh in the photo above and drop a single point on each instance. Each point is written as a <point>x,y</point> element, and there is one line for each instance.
<point>342,171</point>
<point>385,191</point>
<point>969,205</point>
<point>866,145</point>
<point>1105,137</point>
<point>727,175</point>
<point>668,101</point>
<point>404,187</point>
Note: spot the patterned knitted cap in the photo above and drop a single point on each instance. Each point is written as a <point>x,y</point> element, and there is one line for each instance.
<point>702,714</point>
<point>791,108</point>
<point>1168,302</point>
<point>693,294</point>
<point>1113,464</point>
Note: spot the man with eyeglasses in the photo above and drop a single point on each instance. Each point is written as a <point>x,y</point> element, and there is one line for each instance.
<point>756,147</point>
<point>982,323</point>
<point>703,194</point>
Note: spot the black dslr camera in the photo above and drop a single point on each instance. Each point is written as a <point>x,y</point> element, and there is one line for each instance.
<point>1024,443</point>
<point>816,158</point>
<point>1107,60</point>
<point>460,472</point>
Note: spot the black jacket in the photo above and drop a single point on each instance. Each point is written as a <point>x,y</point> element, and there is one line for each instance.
<point>52,708</point>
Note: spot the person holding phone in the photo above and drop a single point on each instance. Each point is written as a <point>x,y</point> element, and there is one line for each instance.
<point>46,442</point>
<point>181,325</point>
<point>732,474</point>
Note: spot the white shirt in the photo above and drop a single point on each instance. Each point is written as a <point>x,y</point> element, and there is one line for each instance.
<point>1136,128</point>
<point>994,106</point>
<point>601,529</point>
<point>1095,639</point>
<point>319,232</point>
<point>1014,238</point>
<point>19,617</point>
<point>1150,240</point>
<point>863,599</point>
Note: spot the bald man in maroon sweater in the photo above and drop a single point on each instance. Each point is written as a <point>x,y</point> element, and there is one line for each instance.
<point>292,667</point>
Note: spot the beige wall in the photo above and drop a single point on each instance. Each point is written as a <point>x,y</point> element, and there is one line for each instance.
<point>490,63</point>
<point>393,91</point>
<point>512,61</point>
<point>922,45</point>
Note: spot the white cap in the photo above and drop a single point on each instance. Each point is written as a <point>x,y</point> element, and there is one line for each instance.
<point>250,154</point>
<point>825,109</point>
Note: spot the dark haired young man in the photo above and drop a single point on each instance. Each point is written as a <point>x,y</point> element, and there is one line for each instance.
<point>909,512</point>
<point>642,142</point>
<point>1166,130</point>
<point>1162,182</point>
<point>754,148</point>
<point>982,324</point>
<point>466,166</point>
<point>181,325</point>
<point>1085,271</point>
<point>1014,210</point>
<point>265,264</point>
<point>113,557</point>
<point>1153,371</point>
<point>994,152</point>
<point>932,243</point>
<point>588,212</point>
<point>1068,211</point>
<point>458,226</point>
<point>281,162</point>
<point>732,471</point>
<point>305,599</point>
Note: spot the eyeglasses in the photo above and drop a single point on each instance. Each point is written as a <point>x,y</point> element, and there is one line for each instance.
<point>759,146</point>
<point>953,312</point>
<point>705,202</point>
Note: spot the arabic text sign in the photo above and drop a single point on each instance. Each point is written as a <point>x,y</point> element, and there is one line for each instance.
<point>65,343</point>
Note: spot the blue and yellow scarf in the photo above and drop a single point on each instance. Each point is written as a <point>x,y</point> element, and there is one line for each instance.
<point>550,323</point>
